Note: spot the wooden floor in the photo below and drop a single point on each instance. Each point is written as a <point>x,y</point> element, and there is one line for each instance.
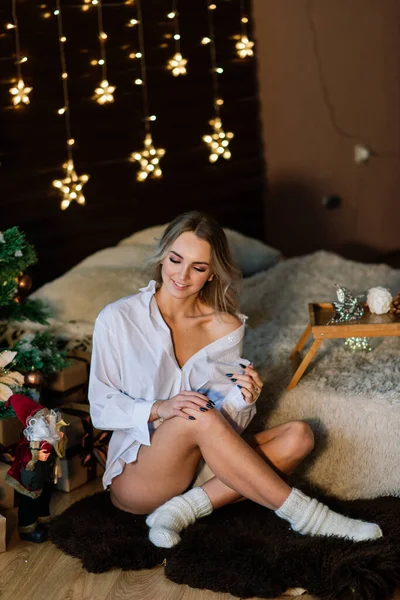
<point>35,571</point>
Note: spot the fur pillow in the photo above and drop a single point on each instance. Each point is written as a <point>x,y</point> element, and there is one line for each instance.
<point>83,292</point>
<point>249,254</point>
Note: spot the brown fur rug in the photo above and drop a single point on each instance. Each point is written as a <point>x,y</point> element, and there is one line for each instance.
<point>242,549</point>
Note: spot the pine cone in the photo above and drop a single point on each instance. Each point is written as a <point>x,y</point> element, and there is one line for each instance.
<point>395,308</point>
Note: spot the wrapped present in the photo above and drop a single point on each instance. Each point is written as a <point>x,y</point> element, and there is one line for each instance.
<point>75,474</point>
<point>86,450</point>
<point>69,384</point>
<point>10,430</point>
<point>2,533</point>
<point>7,495</point>
<point>77,415</point>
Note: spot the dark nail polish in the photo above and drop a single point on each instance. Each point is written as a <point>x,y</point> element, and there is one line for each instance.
<point>192,418</point>
<point>209,405</point>
<point>229,374</point>
<point>211,401</point>
<point>234,380</point>
<point>203,409</point>
<point>240,386</point>
<point>243,366</point>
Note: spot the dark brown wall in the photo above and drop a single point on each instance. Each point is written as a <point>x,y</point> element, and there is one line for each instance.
<point>329,76</point>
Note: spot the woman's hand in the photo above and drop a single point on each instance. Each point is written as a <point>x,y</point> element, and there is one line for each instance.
<point>249,383</point>
<point>177,405</point>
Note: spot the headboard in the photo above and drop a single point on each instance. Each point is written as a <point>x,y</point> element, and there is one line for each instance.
<point>33,142</point>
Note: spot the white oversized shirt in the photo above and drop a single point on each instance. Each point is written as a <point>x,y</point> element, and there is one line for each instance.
<point>134,364</point>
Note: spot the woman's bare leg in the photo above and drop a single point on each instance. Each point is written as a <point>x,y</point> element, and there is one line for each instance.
<point>167,467</point>
<point>284,447</point>
<point>242,472</point>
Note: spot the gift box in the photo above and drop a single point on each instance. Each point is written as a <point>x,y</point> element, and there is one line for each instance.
<point>2,533</point>
<point>75,474</point>
<point>7,495</point>
<point>85,446</point>
<point>69,384</point>
<point>10,430</point>
<point>77,415</point>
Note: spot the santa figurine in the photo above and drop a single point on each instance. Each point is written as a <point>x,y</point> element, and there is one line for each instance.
<point>36,465</point>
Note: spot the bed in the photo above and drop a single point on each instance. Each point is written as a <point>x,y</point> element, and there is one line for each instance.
<point>350,399</point>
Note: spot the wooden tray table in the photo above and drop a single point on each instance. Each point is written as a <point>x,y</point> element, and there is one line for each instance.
<point>370,325</point>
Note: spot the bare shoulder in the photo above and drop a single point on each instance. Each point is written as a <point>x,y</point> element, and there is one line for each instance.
<point>224,323</point>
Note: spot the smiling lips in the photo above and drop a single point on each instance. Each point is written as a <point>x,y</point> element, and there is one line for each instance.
<point>179,286</point>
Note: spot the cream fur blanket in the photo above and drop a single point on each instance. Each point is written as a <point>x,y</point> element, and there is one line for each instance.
<point>352,401</point>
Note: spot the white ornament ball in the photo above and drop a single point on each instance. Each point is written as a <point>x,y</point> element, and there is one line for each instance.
<point>379,300</point>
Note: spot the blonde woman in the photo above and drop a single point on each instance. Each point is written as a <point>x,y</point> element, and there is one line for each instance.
<point>167,376</point>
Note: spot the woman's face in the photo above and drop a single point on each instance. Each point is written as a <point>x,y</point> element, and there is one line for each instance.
<point>187,266</point>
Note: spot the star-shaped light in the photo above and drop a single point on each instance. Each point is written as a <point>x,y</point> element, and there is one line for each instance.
<point>149,160</point>
<point>71,186</point>
<point>104,93</point>
<point>244,47</point>
<point>218,141</point>
<point>20,93</point>
<point>177,64</point>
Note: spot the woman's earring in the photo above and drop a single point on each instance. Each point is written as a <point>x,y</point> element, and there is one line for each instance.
<point>211,278</point>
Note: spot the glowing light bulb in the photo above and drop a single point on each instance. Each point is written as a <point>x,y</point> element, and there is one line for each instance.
<point>218,141</point>
<point>71,186</point>
<point>177,65</point>
<point>104,93</point>
<point>20,93</point>
<point>148,159</point>
<point>244,47</point>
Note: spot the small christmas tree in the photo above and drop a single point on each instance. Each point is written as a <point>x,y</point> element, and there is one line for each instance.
<point>16,255</point>
<point>33,353</point>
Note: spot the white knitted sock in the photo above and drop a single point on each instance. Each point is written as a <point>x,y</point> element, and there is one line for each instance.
<point>178,513</point>
<point>308,516</point>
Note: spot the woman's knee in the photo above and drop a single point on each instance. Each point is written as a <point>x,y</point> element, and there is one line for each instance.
<point>200,421</point>
<point>299,439</point>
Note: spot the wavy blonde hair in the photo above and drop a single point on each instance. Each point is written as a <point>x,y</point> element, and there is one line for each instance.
<point>221,294</point>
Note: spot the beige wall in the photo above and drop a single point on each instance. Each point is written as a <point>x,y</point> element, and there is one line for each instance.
<point>329,76</point>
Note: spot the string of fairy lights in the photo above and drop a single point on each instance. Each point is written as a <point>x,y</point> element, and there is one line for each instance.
<point>244,46</point>
<point>148,159</point>
<point>71,185</point>
<point>218,140</point>
<point>104,93</point>
<point>19,92</point>
<point>176,64</point>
